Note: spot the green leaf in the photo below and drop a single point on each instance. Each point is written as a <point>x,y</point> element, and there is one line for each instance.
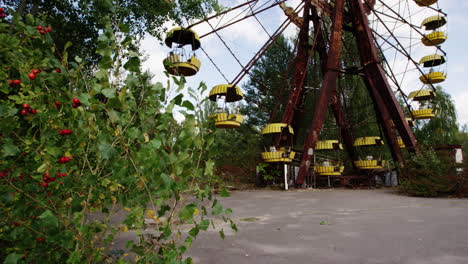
<point>221,233</point>
<point>109,92</point>
<point>233,226</point>
<point>194,232</point>
<point>84,98</point>
<point>217,208</point>
<point>178,99</point>
<point>49,219</point>
<point>9,149</point>
<point>106,150</point>
<point>188,105</point>
<point>133,64</point>
<point>187,212</point>
<point>224,193</point>
<point>204,224</point>
<point>12,258</point>
<point>114,116</point>
<point>78,59</point>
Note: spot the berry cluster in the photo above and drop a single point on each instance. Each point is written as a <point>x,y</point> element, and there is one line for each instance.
<point>42,30</point>
<point>14,83</point>
<point>2,13</point>
<point>63,160</point>
<point>47,179</point>
<point>65,132</point>
<point>28,110</point>
<point>76,103</point>
<point>33,74</point>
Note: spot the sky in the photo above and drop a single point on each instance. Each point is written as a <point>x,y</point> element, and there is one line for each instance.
<point>244,39</point>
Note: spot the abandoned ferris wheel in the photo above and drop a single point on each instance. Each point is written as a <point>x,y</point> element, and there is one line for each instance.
<point>383,58</point>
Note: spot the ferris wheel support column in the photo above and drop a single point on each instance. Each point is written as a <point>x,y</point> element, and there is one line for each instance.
<point>328,86</point>
<point>375,75</point>
<point>336,104</point>
<point>302,60</point>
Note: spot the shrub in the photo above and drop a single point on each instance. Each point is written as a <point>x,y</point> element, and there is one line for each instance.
<point>77,148</point>
<point>432,175</point>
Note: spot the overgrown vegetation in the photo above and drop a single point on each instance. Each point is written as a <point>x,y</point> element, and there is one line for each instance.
<point>431,175</point>
<point>77,150</point>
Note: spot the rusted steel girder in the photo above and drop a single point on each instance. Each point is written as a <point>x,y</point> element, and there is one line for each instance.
<point>375,74</point>
<point>385,119</point>
<point>336,104</point>
<point>328,86</point>
<point>302,60</point>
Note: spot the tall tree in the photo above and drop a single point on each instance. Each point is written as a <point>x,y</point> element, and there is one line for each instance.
<point>443,128</point>
<point>79,21</point>
<point>268,88</point>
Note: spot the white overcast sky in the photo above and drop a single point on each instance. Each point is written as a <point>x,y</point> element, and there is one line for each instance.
<point>245,39</point>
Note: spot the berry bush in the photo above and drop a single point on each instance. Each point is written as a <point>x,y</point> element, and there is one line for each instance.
<point>80,146</point>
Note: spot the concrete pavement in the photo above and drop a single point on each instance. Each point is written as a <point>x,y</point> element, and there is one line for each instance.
<point>338,226</point>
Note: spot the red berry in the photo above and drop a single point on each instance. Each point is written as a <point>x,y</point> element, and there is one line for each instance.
<point>48,29</point>
<point>63,175</point>
<point>57,104</point>
<point>33,111</point>
<point>76,101</point>
<point>45,184</point>
<point>47,175</point>
<point>35,71</point>
<point>42,32</point>
<point>32,76</point>
<point>26,106</point>
<point>16,224</point>
<point>58,70</point>
<point>2,10</point>
<point>24,112</point>
<point>39,27</point>
<point>16,82</point>
<point>75,106</point>
<point>40,239</point>
<point>10,82</point>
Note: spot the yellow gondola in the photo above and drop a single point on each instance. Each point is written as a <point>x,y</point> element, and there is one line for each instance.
<point>327,167</point>
<point>368,141</point>
<point>329,170</point>
<point>432,60</point>
<point>425,2</point>
<point>224,120</point>
<point>180,62</point>
<point>434,22</point>
<point>229,94</point>
<point>175,66</point>
<point>329,145</point>
<point>433,77</point>
<point>278,151</point>
<point>183,36</point>
<point>369,163</point>
<point>277,128</point>
<point>434,38</point>
<point>401,143</point>
<point>423,97</point>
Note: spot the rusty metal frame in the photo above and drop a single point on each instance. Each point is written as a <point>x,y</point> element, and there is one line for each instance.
<point>328,87</point>
<point>375,74</point>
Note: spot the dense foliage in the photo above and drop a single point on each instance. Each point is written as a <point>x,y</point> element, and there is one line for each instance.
<point>432,174</point>
<point>84,159</point>
<point>443,128</point>
<point>79,21</point>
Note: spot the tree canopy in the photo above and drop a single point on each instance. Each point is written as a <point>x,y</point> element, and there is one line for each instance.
<point>80,21</point>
